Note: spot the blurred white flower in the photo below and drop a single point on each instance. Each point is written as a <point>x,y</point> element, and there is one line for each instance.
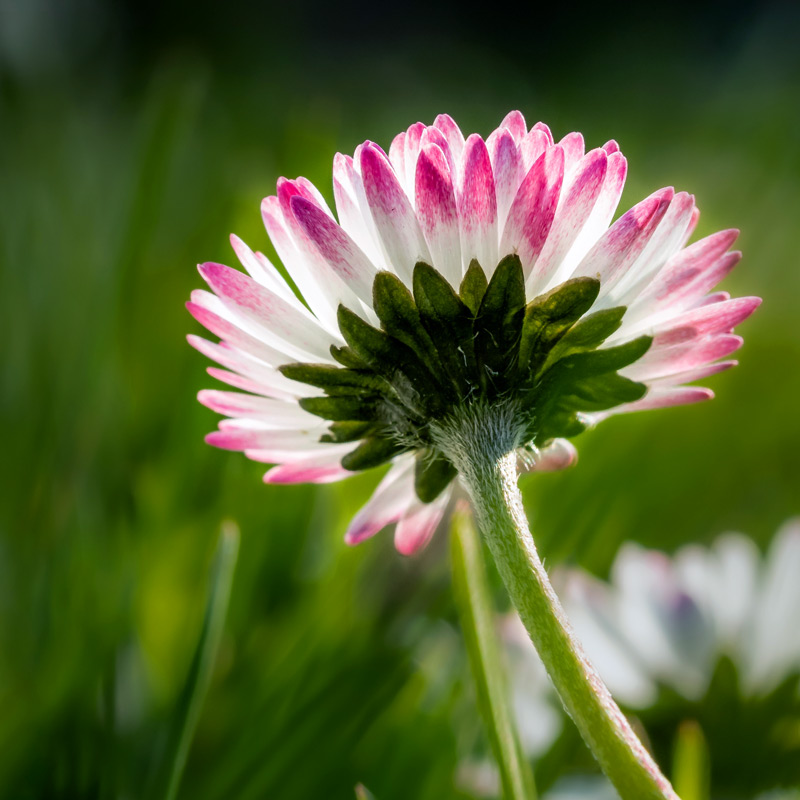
<point>667,621</point>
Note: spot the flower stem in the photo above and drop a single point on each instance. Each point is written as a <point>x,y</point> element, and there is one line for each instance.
<point>492,484</point>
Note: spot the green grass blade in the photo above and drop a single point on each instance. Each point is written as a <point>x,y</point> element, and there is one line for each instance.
<point>476,613</point>
<point>193,693</point>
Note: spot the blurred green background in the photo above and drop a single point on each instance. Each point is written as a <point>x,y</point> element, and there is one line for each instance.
<point>134,137</point>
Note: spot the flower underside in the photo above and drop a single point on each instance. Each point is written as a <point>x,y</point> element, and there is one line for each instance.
<point>442,354</point>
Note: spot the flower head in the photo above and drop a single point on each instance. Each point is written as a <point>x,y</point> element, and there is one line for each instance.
<point>464,287</point>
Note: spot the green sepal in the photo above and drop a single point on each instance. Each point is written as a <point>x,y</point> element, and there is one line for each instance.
<point>432,475</point>
<point>473,286</point>
<point>347,358</point>
<point>334,380</point>
<point>394,361</point>
<point>499,319</point>
<point>588,332</point>
<point>600,392</point>
<point>399,316</point>
<point>372,452</point>
<point>341,408</point>
<point>610,359</point>
<point>347,431</point>
<point>449,322</point>
<point>547,319</point>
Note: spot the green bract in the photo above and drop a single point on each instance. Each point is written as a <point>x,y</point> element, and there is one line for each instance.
<point>438,353</point>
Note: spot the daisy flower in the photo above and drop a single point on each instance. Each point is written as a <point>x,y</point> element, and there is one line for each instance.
<point>460,282</point>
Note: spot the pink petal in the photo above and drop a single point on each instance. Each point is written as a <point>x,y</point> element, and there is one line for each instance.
<point>507,167</point>
<point>229,437</point>
<point>574,148</point>
<point>611,146</point>
<point>322,468</point>
<point>559,454</point>
<point>532,146</point>
<point>290,330</point>
<point>660,362</point>
<point>451,131</point>
<point>477,205</point>
<point>418,524</point>
<point>302,273</point>
<point>391,210</point>
<point>315,269</point>
<point>515,123</point>
<point>666,397</point>
<point>545,129</point>
<point>390,500</point>
<point>412,145</point>
<point>578,199</point>
<point>706,321</point>
<point>621,245</point>
<point>690,273</point>
<point>234,335</point>
<point>597,224</point>
<point>344,256</point>
<point>263,271</point>
<point>353,210</point>
<point>666,240</point>
<point>433,136</point>
<point>436,211</point>
<point>695,374</point>
<point>268,410</point>
<point>269,381</point>
<point>532,211</point>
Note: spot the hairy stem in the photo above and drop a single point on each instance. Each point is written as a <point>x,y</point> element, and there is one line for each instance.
<point>491,480</point>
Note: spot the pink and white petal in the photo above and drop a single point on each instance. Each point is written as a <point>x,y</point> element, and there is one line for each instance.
<point>390,500</point>
<point>711,299</point>
<point>437,214</point>
<point>664,397</point>
<point>455,139</point>
<point>611,146</point>
<point>267,410</point>
<point>597,224</point>
<point>269,381</point>
<point>665,242</point>
<point>559,454</point>
<point>418,524</point>
<point>707,320</point>
<point>477,205</point>
<point>238,435</point>
<point>617,250</point>
<point>531,214</point>
<point>353,210</point>
<point>545,129</point>
<point>323,468</point>
<point>659,362</point>
<point>697,374</point>
<point>323,305</point>
<point>574,149</point>
<point>397,154</point>
<point>345,257</point>
<point>394,217</point>
<point>532,146</point>
<point>286,328</point>
<point>317,269</point>
<point>690,273</point>
<point>433,136</point>
<point>412,145</point>
<point>199,308</point>
<point>295,454</point>
<point>311,193</point>
<point>515,124</point>
<point>578,198</point>
<point>508,174</point>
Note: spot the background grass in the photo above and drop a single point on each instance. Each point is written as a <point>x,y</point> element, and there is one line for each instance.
<point>134,137</point>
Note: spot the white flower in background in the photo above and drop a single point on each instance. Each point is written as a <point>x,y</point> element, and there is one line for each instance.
<point>666,621</point>
<point>459,279</point>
